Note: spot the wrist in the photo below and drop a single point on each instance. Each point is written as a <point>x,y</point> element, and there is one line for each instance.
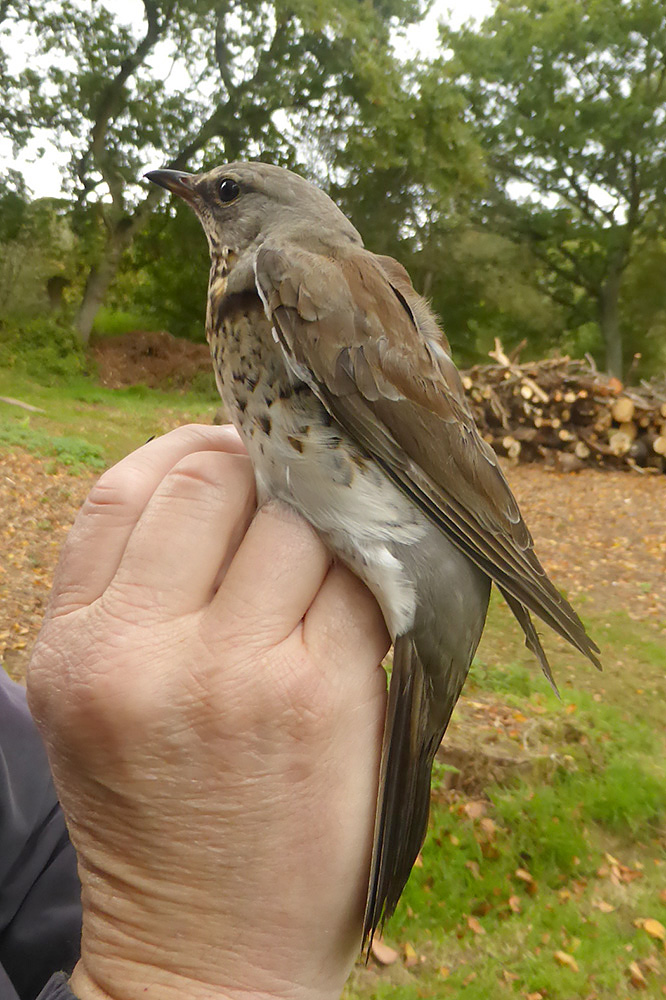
<point>134,981</point>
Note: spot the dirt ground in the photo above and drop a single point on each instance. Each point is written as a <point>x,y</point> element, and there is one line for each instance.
<point>599,534</point>
<point>149,358</point>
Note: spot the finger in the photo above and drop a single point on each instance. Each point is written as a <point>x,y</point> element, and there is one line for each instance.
<point>187,534</point>
<point>95,545</point>
<point>344,624</point>
<point>272,580</point>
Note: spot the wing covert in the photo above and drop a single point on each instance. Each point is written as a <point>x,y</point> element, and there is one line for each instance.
<point>370,349</point>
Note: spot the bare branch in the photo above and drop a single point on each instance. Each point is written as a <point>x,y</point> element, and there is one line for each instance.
<point>111,100</point>
<point>222,56</point>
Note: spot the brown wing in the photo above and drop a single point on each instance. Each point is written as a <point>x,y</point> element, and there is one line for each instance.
<point>356,331</point>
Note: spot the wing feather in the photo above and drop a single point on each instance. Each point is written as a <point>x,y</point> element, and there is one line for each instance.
<point>371,350</point>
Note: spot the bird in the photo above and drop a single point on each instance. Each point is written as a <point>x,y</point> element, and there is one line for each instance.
<point>341,384</point>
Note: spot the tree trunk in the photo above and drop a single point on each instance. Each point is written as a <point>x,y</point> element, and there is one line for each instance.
<point>101,275</point>
<point>609,321</point>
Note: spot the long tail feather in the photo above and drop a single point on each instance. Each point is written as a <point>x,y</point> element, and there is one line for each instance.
<point>532,640</point>
<point>410,744</point>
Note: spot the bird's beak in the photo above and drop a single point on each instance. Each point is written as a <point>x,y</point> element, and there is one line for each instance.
<point>176,181</point>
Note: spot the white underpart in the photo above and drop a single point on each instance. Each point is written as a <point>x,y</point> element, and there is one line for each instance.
<point>358,522</point>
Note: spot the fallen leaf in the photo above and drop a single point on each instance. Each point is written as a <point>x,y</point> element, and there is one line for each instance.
<point>473,867</point>
<point>444,971</point>
<point>601,904</point>
<point>488,827</point>
<point>514,904</point>
<point>636,977</point>
<point>475,810</point>
<point>383,953</point>
<point>654,928</point>
<point>510,977</point>
<point>563,958</point>
<point>475,926</point>
<point>411,958</point>
<point>523,875</point>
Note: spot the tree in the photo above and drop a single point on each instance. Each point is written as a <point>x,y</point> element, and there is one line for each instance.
<point>249,74</point>
<point>569,100</point>
<point>36,254</point>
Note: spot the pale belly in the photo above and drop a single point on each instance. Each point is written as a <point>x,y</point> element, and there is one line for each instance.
<point>301,457</point>
<point>354,508</point>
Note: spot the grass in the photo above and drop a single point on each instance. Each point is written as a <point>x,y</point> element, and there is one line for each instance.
<point>84,424</point>
<point>584,827</point>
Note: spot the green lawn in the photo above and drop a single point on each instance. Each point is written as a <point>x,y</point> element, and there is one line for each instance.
<point>86,424</point>
<point>583,824</point>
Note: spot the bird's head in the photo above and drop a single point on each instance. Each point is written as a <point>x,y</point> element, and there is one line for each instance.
<point>240,205</point>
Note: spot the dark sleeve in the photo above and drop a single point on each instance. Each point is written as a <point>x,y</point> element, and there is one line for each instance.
<point>40,909</point>
<point>57,988</point>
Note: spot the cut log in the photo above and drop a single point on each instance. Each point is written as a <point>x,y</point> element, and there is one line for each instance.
<point>544,410</point>
<point>629,428</point>
<point>511,446</point>
<point>623,409</point>
<point>619,442</point>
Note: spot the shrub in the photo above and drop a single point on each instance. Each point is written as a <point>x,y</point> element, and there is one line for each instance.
<point>43,347</point>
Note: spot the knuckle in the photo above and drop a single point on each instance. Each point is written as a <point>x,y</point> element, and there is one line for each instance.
<point>115,488</point>
<point>228,477</point>
<point>88,681</point>
<point>301,697</point>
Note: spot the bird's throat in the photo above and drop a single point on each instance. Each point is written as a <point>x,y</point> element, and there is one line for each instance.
<point>221,265</point>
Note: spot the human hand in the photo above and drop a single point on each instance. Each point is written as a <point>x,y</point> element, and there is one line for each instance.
<point>209,690</point>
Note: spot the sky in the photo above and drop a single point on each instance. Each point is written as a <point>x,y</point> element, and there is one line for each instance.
<point>39,164</point>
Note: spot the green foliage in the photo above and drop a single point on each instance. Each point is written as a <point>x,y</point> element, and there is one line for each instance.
<point>252,75</point>
<point>165,275</point>
<point>74,452</point>
<point>37,253</point>
<point>568,100</point>
<point>112,421</point>
<point>519,177</point>
<point>45,348</point>
<point>111,322</point>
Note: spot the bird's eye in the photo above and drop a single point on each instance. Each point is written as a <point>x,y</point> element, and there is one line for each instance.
<point>229,190</point>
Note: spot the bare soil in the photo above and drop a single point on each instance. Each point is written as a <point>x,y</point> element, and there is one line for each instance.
<point>599,534</point>
<point>155,359</point>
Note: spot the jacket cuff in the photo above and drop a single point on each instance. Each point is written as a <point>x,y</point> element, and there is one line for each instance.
<point>57,988</point>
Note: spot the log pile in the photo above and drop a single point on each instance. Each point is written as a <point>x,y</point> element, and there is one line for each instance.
<point>567,414</point>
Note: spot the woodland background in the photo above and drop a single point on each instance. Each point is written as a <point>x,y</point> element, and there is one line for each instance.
<point>519,174</point>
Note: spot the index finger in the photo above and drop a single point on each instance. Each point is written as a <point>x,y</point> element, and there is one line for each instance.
<point>96,543</point>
